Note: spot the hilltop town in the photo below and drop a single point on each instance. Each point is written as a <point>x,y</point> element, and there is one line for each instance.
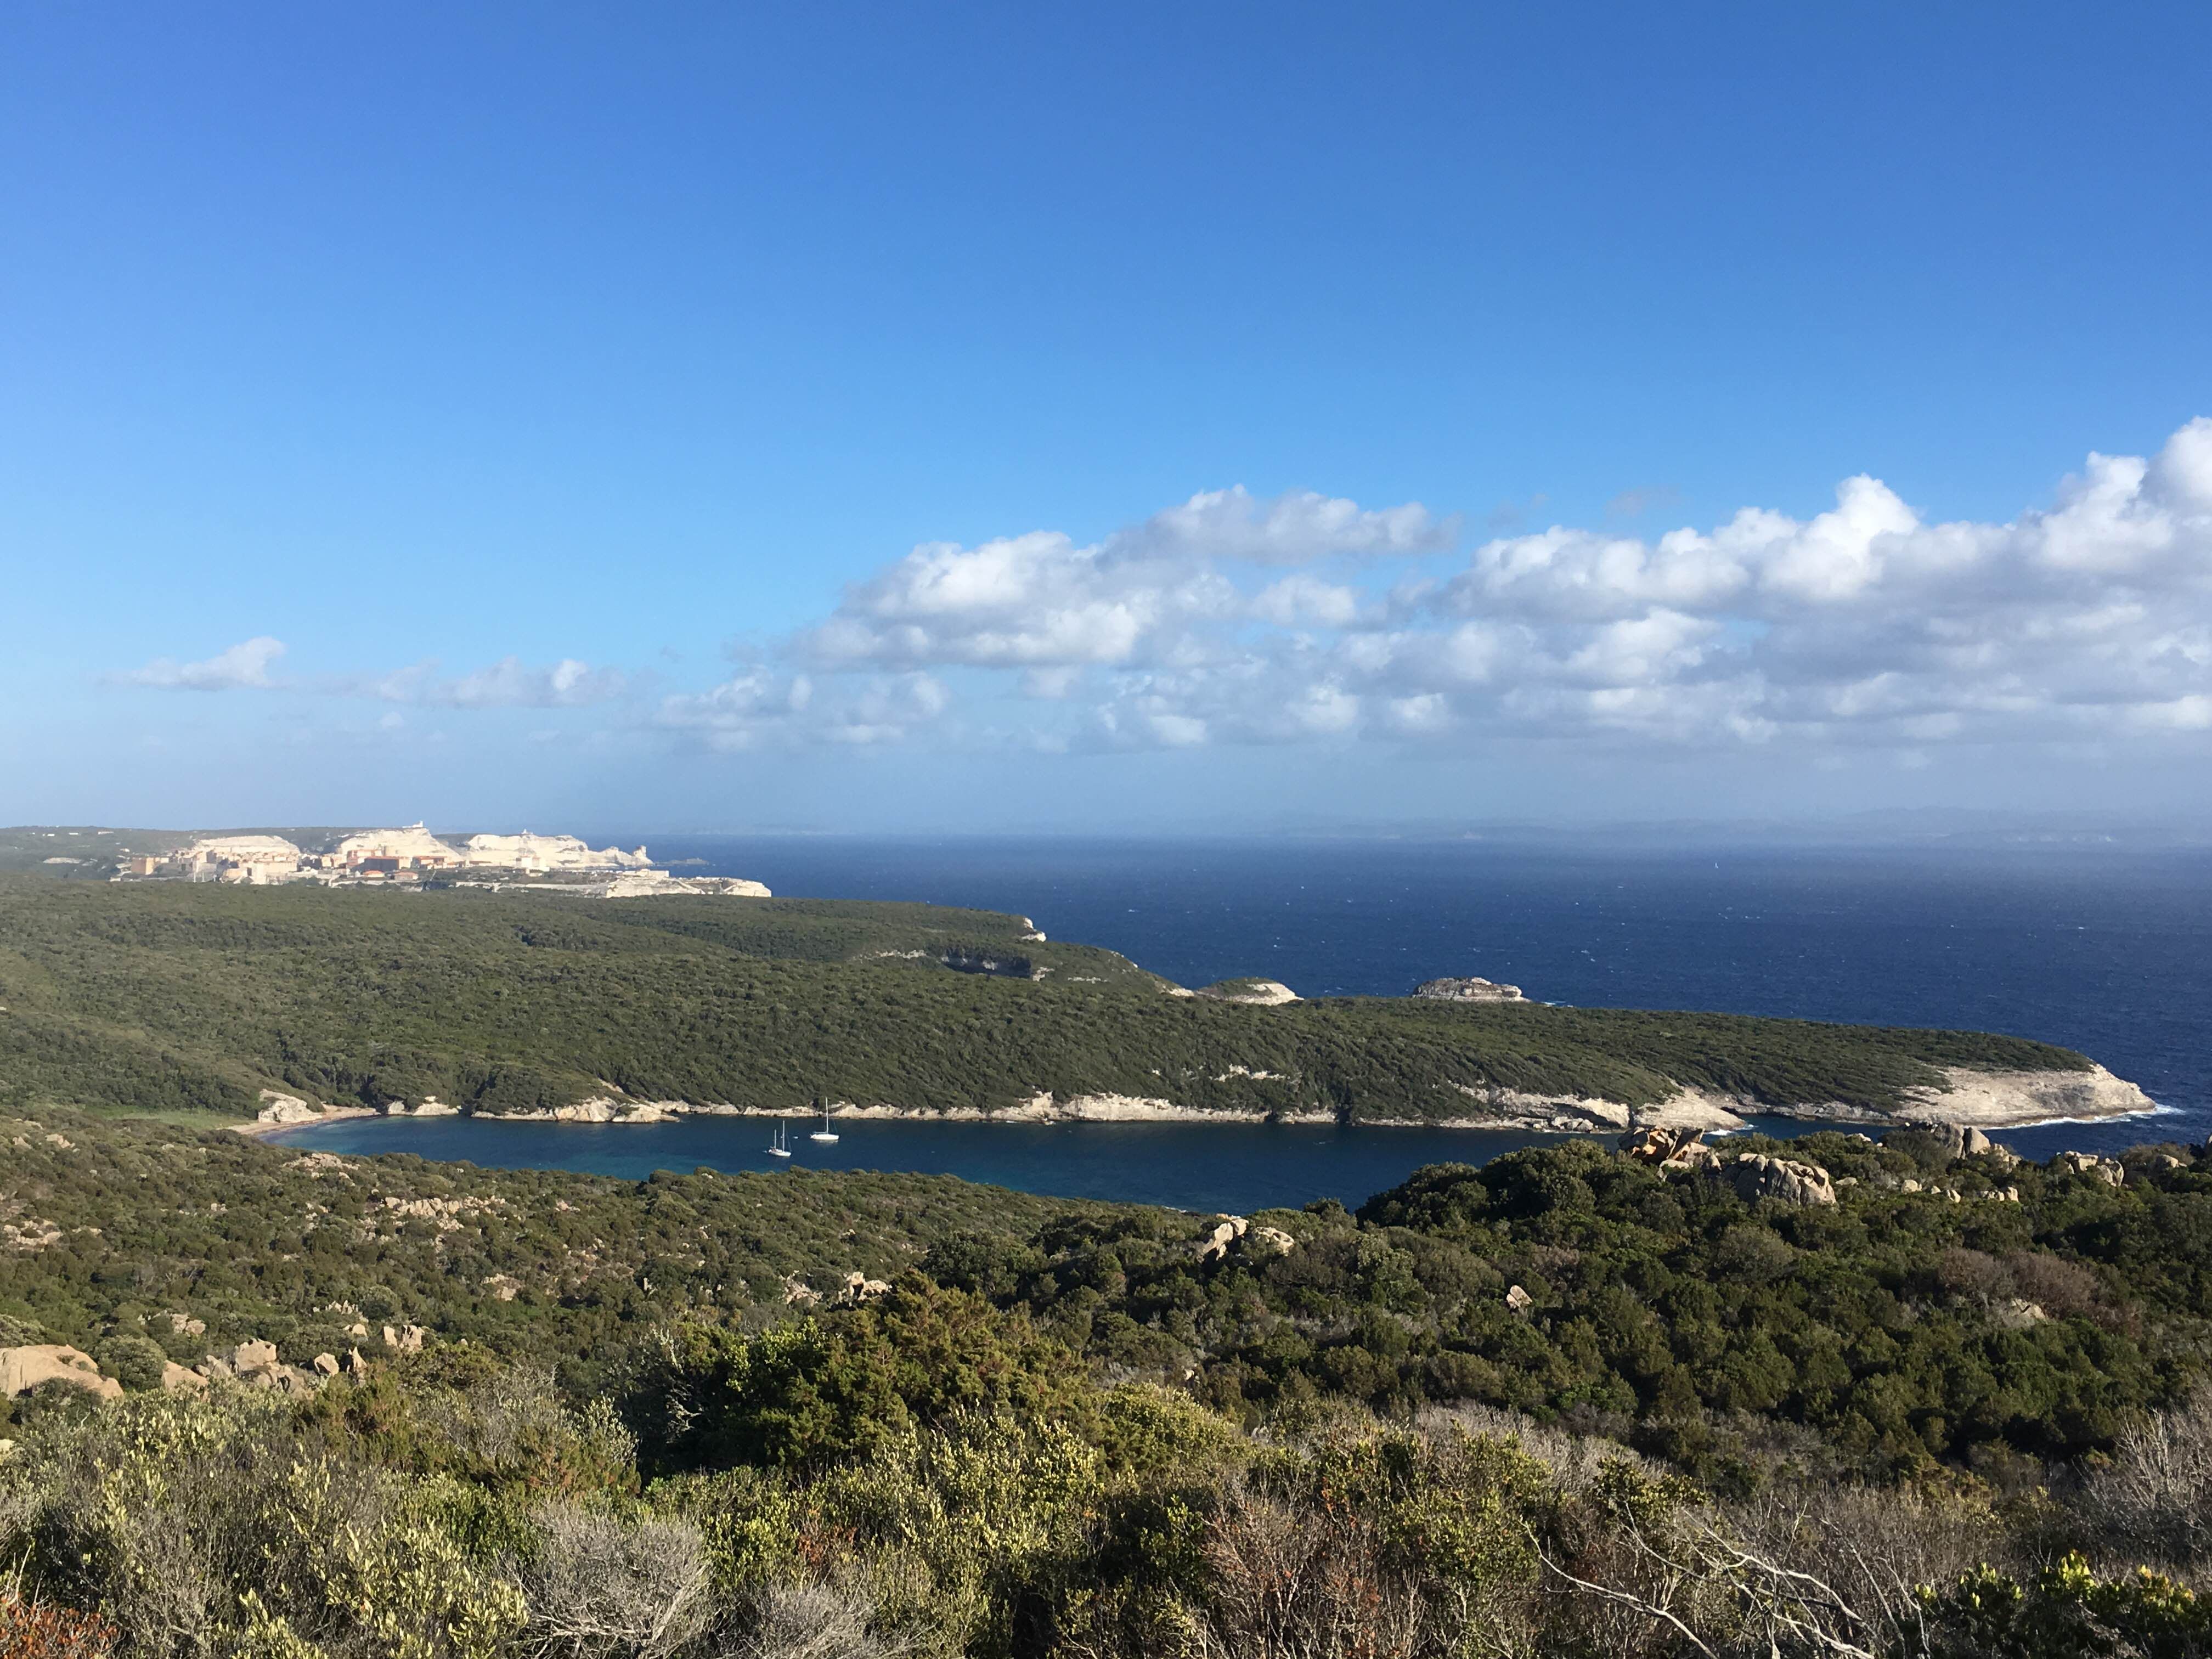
<point>412,855</point>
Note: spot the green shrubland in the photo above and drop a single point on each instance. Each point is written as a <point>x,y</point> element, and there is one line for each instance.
<point>1970,1419</point>
<point>173,997</point>
<point>452,1508</point>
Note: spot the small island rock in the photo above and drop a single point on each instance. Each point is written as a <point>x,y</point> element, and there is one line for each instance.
<point>1468,990</point>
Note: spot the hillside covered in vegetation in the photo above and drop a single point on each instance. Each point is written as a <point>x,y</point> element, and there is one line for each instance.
<point>174,997</point>
<point>1566,1404</point>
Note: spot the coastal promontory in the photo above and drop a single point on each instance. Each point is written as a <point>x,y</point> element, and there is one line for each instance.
<point>237,999</point>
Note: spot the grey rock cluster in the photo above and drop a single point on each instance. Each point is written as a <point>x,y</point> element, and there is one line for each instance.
<point>1783,1179</point>
<point>1468,990</point>
<point>255,1365</point>
<point>1679,1153</point>
<point>1962,1141</point>
<point>2107,1169</point>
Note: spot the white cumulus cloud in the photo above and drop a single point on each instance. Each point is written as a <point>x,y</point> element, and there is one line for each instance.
<point>1145,594</point>
<point>1312,619</point>
<point>245,666</point>
<point>1867,624</point>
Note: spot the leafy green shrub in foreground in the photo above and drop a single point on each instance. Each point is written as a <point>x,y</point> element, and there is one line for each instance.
<point>2067,1612</point>
<point>822,1389</point>
<point>459,1510</point>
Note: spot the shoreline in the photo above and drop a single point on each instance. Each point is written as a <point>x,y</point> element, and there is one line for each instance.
<point>1984,1108</point>
<point>264,1128</point>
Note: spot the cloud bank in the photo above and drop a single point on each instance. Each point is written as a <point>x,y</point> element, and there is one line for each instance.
<point>1309,619</point>
<point>509,682</point>
<point>1231,620</point>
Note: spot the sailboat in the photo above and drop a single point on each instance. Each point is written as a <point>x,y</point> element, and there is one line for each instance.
<point>825,1133</point>
<point>780,1147</point>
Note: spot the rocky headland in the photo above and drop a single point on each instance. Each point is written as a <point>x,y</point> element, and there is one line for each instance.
<point>1254,992</point>
<point>521,1006</point>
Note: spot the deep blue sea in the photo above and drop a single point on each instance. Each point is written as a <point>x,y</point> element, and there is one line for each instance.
<point>2102,950</point>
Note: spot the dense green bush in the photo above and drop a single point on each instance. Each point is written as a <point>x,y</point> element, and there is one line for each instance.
<point>244,1524</point>
<point>162,1229</point>
<point>1888,1333</point>
<point>823,1389</point>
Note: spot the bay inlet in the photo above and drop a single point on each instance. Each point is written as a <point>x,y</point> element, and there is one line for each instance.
<point>1232,1167</point>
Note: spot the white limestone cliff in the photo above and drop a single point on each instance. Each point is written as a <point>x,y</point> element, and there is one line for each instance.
<point>543,853</point>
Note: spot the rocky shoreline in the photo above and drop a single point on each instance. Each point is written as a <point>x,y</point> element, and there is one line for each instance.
<point>1972,1099</point>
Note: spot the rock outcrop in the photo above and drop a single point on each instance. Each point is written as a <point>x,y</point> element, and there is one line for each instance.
<point>253,1363</point>
<point>1960,1140</point>
<point>1782,1179</point>
<point>176,1379</point>
<point>1235,1232</point>
<point>1468,990</point>
<point>24,1369</point>
<point>287,1109</point>
<point>1661,1146</point>
<point>604,1108</point>
<point>1256,992</point>
<point>1216,1244</point>
<point>858,1288</point>
<point>253,1355</point>
<point>2109,1170</point>
<point>1682,1152</point>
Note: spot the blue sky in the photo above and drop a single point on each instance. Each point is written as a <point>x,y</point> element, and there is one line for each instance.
<point>1398,412</point>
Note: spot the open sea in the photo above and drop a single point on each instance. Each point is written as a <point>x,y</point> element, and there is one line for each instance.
<point>2101,949</point>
